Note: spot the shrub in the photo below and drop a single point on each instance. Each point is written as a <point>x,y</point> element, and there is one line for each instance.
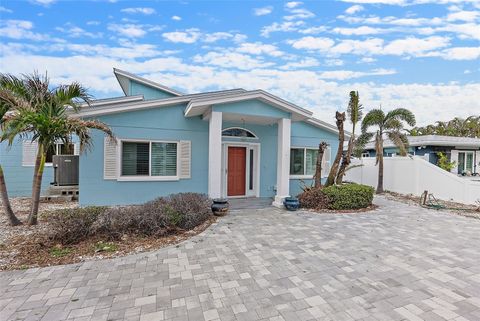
<point>348,196</point>
<point>313,198</point>
<point>69,226</point>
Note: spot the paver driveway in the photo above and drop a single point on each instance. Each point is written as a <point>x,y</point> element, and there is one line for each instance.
<point>397,263</point>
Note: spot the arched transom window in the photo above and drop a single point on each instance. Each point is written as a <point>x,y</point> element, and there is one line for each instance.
<point>238,132</point>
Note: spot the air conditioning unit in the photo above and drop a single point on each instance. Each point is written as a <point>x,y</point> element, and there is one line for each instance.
<point>65,169</point>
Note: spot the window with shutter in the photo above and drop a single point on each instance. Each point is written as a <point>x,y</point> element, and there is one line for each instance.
<point>110,159</point>
<point>303,162</point>
<point>185,159</point>
<point>29,153</point>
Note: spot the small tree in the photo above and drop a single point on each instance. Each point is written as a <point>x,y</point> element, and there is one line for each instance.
<point>318,169</point>
<point>354,112</point>
<point>340,117</point>
<point>47,120</point>
<point>444,163</point>
<point>391,125</point>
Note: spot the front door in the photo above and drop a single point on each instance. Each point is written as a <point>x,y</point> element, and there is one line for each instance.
<point>236,177</point>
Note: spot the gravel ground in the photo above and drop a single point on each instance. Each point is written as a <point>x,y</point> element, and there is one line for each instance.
<point>21,207</point>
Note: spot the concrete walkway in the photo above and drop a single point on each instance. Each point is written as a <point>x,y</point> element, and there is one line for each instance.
<point>397,263</point>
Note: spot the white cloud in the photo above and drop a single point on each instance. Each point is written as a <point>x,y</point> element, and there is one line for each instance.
<point>303,63</point>
<point>187,36</point>
<point>312,43</point>
<point>45,3</point>
<point>468,16</point>
<point>20,29</point>
<point>77,32</point>
<point>461,53</point>
<point>93,23</point>
<point>415,46</point>
<point>368,60</point>
<point>313,30</point>
<point>467,71</point>
<point>334,62</point>
<point>283,26</point>
<point>354,9</point>
<point>231,60</point>
<point>263,11</point>
<point>139,10</point>
<point>292,4</point>
<point>6,10</point>
<point>128,30</point>
<point>257,48</point>
<point>215,36</point>
<point>348,74</point>
<point>299,13</point>
<point>363,30</point>
<point>176,18</point>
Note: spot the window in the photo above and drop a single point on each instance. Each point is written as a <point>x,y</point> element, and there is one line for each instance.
<point>59,149</point>
<point>238,132</point>
<point>465,162</point>
<point>303,161</point>
<point>149,159</point>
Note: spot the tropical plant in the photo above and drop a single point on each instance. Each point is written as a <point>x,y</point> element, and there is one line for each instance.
<point>7,207</point>
<point>444,163</point>
<point>46,118</point>
<point>468,127</point>
<point>390,125</point>
<point>340,117</point>
<point>355,113</point>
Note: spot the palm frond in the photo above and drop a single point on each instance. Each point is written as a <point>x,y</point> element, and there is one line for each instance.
<point>400,140</point>
<point>402,114</point>
<point>374,117</point>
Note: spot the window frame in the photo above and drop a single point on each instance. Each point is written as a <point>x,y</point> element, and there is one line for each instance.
<point>302,176</point>
<point>149,177</point>
<point>239,137</point>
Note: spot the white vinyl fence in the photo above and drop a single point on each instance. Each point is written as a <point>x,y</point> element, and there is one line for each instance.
<point>413,175</point>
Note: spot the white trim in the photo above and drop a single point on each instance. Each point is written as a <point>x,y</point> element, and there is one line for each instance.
<point>301,176</point>
<point>113,101</point>
<point>200,104</point>
<point>149,177</point>
<point>283,161</point>
<point>143,81</point>
<point>241,137</point>
<point>215,154</point>
<point>256,165</point>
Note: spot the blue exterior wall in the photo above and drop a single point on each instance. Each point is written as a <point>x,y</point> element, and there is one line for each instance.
<point>306,135</point>
<point>148,93</point>
<point>253,108</point>
<point>166,123</point>
<point>19,178</point>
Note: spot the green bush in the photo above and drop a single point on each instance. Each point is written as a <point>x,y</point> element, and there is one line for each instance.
<point>348,196</point>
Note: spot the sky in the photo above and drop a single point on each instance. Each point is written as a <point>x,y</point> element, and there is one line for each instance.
<point>423,55</point>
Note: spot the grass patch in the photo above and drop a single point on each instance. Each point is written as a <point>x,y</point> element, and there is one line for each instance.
<point>101,246</point>
<point>60,252</point>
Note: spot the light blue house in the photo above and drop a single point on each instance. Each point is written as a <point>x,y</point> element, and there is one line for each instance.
<point>231,143</point>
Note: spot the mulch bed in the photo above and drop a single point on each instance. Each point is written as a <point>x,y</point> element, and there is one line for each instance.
<point>370,208</point>
<point>452,207</point>
<point>24,246</point>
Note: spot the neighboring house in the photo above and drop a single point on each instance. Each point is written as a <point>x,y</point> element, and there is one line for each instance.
<point>464,151</point>
<point>231,143</point>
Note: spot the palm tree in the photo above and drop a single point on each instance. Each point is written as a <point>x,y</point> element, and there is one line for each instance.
<point>48,120</point>
<point>3,186</point>
<point>340,117</point>
<point>392,126</point>
<point>354,112</point>
<point>469,127</point>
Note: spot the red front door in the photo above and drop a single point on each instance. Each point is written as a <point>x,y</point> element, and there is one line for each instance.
<point>237,161</point>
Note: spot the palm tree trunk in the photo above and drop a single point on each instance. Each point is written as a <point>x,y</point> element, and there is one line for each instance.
<point>341,138</point>
<point>318,169</point>
<point>37,186</point>
<point>345,162</point>
<point>380,169</point>
<point>6,202</point>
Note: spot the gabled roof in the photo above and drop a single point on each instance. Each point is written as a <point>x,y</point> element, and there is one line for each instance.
<point>198,106</point>
<point>113,101</point>
<point>434,140</point>
<point>122,76</point>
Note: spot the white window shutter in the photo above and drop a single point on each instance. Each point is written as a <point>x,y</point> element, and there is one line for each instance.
<point>326,161</point>
<point>109,159</point>
<point>185,159</point>
<point>29,153</point>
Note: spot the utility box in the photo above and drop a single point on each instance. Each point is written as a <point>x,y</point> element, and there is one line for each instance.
<point>65,169</point>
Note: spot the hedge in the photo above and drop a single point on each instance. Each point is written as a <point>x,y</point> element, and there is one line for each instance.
<point>348,196</point>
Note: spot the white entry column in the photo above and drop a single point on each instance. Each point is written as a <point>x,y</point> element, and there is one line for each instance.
<point>283,161</point>
<point>215,155</point>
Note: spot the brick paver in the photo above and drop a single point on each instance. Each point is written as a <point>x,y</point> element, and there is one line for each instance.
<point>398,263</point>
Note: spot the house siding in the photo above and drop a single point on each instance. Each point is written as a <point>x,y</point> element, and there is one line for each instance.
<point>166,123</point>
<point>19,178</point>
<point>148,93</point>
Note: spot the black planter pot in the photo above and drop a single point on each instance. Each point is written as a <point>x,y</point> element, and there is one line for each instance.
<point>220,206</point>
<point>291,203</point>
